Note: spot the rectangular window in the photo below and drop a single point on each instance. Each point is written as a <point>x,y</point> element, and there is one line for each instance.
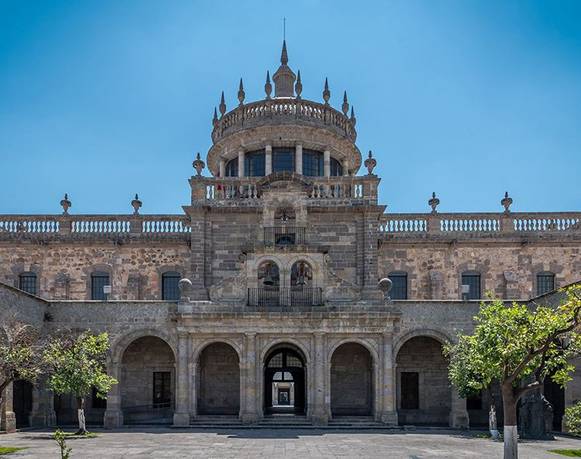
<point>98,281</point>
<point>399,286</point>
<point>473,283</point>
<point>410,391</point>
<point>97,402</point>
<point>283,160</point>
<point>161,389</point>
<point>312,163</point>
<point>545,283</point>
<point>170,286</point>
<point>27,283</point>
<point>254,165</point>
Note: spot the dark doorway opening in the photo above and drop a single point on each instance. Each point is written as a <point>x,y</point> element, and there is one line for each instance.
<point>555,394</point>
<point>284,382</point>
<point>22,402</point>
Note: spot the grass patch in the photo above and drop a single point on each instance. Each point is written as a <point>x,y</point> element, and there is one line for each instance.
<point>567,452</point>
<point>5,450</point>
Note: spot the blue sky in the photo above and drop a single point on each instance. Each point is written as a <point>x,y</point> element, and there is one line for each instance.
<point>103,99</point>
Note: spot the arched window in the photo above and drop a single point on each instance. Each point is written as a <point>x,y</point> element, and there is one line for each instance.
<point>399,285</point>
<point>301,275</point>
<point>545,282</point>
<point>232,168</point>
<point>268,275</point>
<point>336,168</point>
<point>169,286</point>
<point>99,279</point>
<point>27,282</point>
<point>471,286</point>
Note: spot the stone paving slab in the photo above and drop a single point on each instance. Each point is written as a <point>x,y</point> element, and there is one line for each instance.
<point>269,443</point>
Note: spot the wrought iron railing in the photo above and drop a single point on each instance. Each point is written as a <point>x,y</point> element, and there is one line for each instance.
<point>281,236</point>
<point>294,296</point>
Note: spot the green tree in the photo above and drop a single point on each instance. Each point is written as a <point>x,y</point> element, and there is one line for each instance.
<point>20,353</point>
<point>77,364</point>
<point>517,346</point>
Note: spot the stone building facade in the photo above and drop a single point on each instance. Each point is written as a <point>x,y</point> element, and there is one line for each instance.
<point>261,301</point>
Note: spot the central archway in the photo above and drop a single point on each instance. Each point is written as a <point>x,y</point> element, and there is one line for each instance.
<point>285,381</point>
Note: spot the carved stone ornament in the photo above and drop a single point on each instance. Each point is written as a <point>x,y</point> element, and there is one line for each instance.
<point>199,165</point>
<point>434,202</point>
<point>370,163</point>
<point>506,202</point>
<point>66,204</point>
<point>136,204</point>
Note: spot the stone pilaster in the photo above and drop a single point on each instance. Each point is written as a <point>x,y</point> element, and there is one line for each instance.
<point>458,413</point>
<point>181,415</point>
<point>387,377</point>
<point>299,159</point>
<point>113,417</point>
<point>268,160</point>
<point>222,168</point>
<point>320,415</point>
<point>240,163</point>
<point>198,254</point>
<point>369,260</point>
<point>327,163</point>
<point>249,414</point>
<point>7,416</point>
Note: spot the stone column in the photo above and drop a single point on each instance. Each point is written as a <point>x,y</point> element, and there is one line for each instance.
<point>222,168</point>
<point>268,160</point>
<point>7,416</point>
<point>319,413</point>
<point>387,377</point>
<point>113,417</point>
<point>42,414</point>
<point>345,167</point>
<point>249,414</point>
<point>181,415</point>
<point>458,413</point>
<point>327,163</point>
<point>299,159</point>
<point>241,163</point>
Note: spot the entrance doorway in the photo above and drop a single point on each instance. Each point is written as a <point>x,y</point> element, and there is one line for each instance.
<point>284,382</point>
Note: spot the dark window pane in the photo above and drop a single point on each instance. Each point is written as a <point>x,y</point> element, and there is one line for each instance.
<point>98,281</point>
<point>97,402</point>
<point>399,286</point>
<point>473,282</point>
<point>275,361</point>
<point>169,286</point>
<point>161,389</point>
<point>474,402</point>
<point>27,283</point>
<point>254,164</point>
<point>545,283</point>
<point>410,391</point>
<point>283,160</point>
<point>336,168</point>
<point>312,163</point>
<point>232,168</point>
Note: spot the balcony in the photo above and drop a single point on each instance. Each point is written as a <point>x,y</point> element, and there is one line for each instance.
<point>284,236</point>
<point>302,296</point>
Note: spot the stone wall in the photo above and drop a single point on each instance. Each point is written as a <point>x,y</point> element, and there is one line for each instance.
<point>351,380</point>
<point>219,380</point>
<point>508,269</point>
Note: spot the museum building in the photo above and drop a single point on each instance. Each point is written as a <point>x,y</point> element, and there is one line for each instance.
<point>262,301</point>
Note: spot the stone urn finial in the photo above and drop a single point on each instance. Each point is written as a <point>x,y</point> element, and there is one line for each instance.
<point>385,286</point>
<point>136,204</point>
<point>506,202</point>
<point>434,202</point>
<point>370,163</point>
<point>66,204</point>
<point>199,165</point>
<point>185,288</point>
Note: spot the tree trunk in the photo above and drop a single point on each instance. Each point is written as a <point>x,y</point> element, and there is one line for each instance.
<point>81,415</point>
<point>510,425</point>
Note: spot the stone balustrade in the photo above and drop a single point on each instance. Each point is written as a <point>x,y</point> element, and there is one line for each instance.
<point>394,225</point>
<point>281,111</point>
<point>94,225</point>
<point>208,190</point>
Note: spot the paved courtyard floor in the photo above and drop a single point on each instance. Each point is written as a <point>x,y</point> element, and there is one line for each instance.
<point>271,443</point>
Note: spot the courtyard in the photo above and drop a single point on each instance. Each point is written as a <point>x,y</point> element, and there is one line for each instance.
<point>268,443</point>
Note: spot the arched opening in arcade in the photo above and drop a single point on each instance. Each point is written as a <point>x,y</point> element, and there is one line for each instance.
<point>22,402</point>
<point>285,381</point>
<point>147,382</point>
<point>424,394</point>
<point>351,381</point>
<point>218,380</point>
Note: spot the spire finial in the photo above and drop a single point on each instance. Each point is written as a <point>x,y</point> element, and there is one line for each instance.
<point>345,106</point>
<point>284,54</point>
<point>222,105</point>
<point>326,92</point>
<point>299,85</point>
<point>215,118</point>
<point>353,119</point>
<point>267,86</point>
<point>241,93</point>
